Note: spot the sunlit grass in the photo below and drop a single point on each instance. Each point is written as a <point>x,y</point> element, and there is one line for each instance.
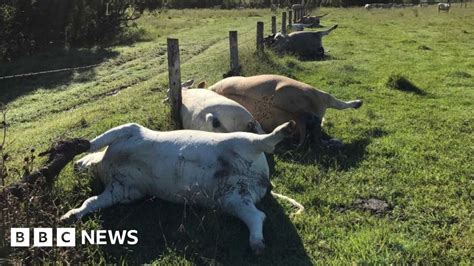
<point>412,150</point>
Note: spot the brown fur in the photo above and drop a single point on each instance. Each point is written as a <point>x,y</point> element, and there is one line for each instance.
<point>274,99</point>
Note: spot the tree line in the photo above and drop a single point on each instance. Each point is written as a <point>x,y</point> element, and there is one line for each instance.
<point>29,25</point>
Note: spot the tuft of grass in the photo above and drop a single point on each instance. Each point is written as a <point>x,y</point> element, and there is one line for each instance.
<point>424,47</point>
<point>461,74</point>
<point>401,83</point>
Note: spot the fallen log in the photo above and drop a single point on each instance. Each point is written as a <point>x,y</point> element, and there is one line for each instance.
<point>60,154</point>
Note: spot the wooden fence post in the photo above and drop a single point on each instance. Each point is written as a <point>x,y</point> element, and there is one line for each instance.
<point>283,22</point>
<point>259,37</point>
<point>274,24</point>
<point>290,18</point>
<point>174,75</point>
<point>234,53</point>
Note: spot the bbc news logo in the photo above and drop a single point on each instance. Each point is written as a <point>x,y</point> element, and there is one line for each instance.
<point>66,237</point>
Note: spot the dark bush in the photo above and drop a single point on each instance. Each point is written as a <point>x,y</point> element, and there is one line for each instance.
<point>29,25</point>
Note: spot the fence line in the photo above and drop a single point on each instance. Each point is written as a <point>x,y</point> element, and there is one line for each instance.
<point>151,52</point>
<point>48,71</point>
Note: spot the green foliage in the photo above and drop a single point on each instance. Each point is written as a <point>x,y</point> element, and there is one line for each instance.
<point>31,25</point>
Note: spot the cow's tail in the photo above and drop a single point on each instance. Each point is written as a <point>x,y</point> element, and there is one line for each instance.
<point>290,200</point>
<point>114,134</point>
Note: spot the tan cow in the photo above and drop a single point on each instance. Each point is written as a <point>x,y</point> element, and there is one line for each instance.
<point>274,99</point>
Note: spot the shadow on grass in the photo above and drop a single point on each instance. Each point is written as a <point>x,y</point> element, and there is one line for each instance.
<point>320,56</point>
<point>268,57</point>
<point>344,158</point>
<point>401,83</point>
<point>202,236</point>
<point>57,59</point>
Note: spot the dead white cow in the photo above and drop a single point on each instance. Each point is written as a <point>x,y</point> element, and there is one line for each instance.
<point>226,170</point>
<point>208,111</point>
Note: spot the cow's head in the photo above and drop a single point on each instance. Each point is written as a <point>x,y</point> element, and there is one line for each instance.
<point>280,41</point>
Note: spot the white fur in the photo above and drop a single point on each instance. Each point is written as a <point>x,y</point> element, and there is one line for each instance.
<point>228,170</point>
<point>200,107</point>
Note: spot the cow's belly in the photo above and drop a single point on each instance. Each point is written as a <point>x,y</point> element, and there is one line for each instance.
<point>273,118</point>
<point>193,175</point>
<point>264,111</point>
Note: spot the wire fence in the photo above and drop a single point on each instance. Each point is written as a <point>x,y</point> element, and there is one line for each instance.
<point>48,72</point>
<point>160,46</point>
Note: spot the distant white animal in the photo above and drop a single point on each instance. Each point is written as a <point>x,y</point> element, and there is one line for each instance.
<point>224,170</point>
<point>444,7</point>
<point>368,6</point>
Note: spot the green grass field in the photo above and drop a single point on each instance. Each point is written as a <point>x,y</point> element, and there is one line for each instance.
<point>412,150</point>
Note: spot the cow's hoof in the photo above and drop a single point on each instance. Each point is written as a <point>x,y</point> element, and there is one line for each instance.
<point>257,247</point>
<point>357,104</point>
<point>68,218</point>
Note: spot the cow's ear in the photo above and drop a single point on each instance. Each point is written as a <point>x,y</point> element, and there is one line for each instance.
<point>214,121</point>
<point>186,85</point>
<point>202,84</point>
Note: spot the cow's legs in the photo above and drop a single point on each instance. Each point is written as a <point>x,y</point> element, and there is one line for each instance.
<point>87,162</point>
<point>114,193</point>
<point>243,208</point>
